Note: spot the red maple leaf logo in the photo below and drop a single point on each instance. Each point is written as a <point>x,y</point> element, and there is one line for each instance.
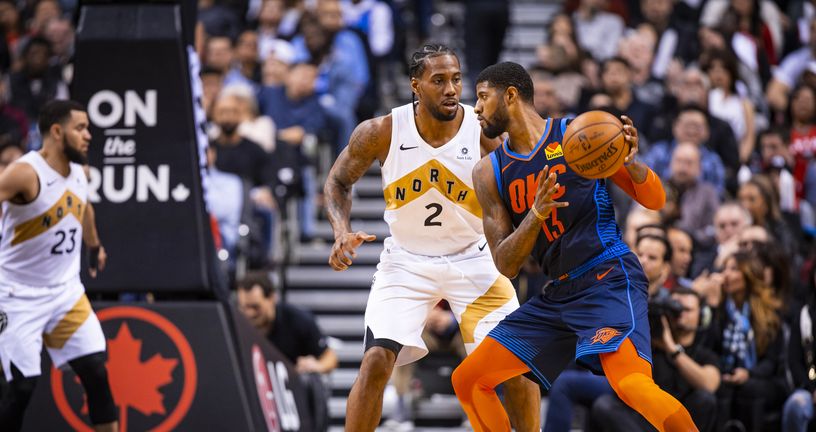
<point>135,384</point>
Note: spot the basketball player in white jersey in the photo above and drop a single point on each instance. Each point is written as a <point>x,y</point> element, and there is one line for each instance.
<point>437,249</point>
<point>45,216</point>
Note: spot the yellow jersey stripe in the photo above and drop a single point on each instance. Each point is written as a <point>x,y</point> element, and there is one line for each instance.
<point>431,175</point>
<point>69,324</point>
<point>68,204</point>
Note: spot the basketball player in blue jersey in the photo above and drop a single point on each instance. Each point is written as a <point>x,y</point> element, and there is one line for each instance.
<point>436,249</point>
<point>595,309</point>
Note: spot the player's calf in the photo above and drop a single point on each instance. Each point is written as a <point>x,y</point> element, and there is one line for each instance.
<point>15,400</point>
<point>93,374</point>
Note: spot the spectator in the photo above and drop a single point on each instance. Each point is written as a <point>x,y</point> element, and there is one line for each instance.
<point>220,56</point>
<point>8,154</point>
<point>683,366</point>
<point>546,98</point>
<point>246,56</point>
<point>689,126</point>
<point>374,19</point>
<point>598,31</point>
<point>44,11</point>
<point>269,18</point>
<point>60,33</point>
<point>655,255</point>
<point>797,415</point>
<point>697,199</point>
<point>13,121</point>
<point>237,155</point>
<point>36,82</point>
<point>638,48</point>
<point>730,220</point>
<point>750,344</point>
<point>12,30</point>
<point>727,104</point>
<point>682,246</point>
<point>485,25</point>
<point>218,20</point>
<point>276,65</point>
<point>673,39</point>
<point>616,78</point>
<point>342,71</point>
<point>212,81</point>
<point>257,128</point>
<point>802,145</point>
<point>759,197</point>
<point>790,70</point>
<point>638,217</point>
<point>294,108</point>
<point>225,196</point>
<point>295,333</point>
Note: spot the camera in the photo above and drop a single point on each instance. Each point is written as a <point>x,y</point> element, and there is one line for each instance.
<point>659,307</point>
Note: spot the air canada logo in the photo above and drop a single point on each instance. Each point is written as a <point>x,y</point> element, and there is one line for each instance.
<point>604,335</point>
<point>153,384</point>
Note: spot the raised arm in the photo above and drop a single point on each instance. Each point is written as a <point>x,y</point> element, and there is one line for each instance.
<point>509,247</point>
<point>368,142</point>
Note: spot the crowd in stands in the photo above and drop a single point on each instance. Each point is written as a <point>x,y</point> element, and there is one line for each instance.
<point>723,93</point>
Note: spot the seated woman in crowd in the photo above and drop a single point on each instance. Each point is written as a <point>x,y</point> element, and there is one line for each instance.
<point>749,339</point>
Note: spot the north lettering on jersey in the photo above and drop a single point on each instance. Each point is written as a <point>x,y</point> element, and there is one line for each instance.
<point>68,204</point>
<point>431,175</point>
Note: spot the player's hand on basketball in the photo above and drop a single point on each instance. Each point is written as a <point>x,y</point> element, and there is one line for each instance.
<point>345,247</point>
<point>630,134</point>
<point>547,187</point>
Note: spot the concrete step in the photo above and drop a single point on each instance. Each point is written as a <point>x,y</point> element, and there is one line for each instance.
<point>367,208</point>
<point>342,325</point>
<point>379,228</point>
<point>369,186</point>
<point>342,379</point>
<point>329,300</point>
<point>533,13</point>
<point>526,37</point>
<point>324,277</point>
<point>350,351</point>
<point>318,254</point>
<point>525,58</point>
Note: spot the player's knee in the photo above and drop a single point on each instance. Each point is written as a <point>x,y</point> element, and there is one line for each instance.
<point>93,374</point>
<point>377,365</point>
<point>634,385</point>
<point>464,378</point>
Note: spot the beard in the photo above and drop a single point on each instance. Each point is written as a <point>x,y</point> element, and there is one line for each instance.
<point>439,115</point>
<point>73,154</point>
<point>497,125</point>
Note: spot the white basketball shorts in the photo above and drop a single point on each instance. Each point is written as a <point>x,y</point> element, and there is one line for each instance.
<point>407,286</point>
<point>59,316</point>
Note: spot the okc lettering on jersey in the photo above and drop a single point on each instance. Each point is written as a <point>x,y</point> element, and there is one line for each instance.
<point>431,175</point>
<point>522,191</point>
<point>68,204</point>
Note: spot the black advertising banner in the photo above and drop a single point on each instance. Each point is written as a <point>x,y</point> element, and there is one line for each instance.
<point>132,74</point>
<point>178,366</point>
<point>279,395</point>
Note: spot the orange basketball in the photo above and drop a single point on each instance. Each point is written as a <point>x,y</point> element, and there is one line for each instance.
<point>594,146</point>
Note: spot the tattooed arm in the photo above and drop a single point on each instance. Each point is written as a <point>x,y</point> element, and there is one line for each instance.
<point>369,142</point>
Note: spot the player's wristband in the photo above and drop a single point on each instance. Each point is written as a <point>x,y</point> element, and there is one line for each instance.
<point>537,215</point>
<point>93,257</point>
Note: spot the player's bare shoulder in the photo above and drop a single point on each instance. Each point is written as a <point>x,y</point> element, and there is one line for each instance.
<point>19,183</point>
<point>371,139</point>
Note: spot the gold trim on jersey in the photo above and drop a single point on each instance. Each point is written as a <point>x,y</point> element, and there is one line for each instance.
<point>497,296</point>
<point>69,324</point>
<point>431,175</point>
<point>68,204</point>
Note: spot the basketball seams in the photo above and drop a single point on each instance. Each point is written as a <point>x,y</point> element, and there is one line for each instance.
<point>588,162</point>
<point>616,124</point>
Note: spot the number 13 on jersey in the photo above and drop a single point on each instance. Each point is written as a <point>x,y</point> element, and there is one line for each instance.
<point>522,196</point>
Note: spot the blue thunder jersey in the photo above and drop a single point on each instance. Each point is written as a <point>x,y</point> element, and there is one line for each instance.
<point>573,239</point>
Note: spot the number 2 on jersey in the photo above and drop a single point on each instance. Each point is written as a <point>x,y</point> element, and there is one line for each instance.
<point>437,210</point>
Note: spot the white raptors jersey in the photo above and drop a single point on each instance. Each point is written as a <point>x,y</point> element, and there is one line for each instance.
<point>430,205</point>
<point>41,241</point>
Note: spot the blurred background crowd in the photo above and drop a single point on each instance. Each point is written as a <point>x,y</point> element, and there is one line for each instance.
<point>723,93</point>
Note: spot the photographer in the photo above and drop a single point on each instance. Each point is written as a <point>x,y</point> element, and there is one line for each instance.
<point>682,366</point>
